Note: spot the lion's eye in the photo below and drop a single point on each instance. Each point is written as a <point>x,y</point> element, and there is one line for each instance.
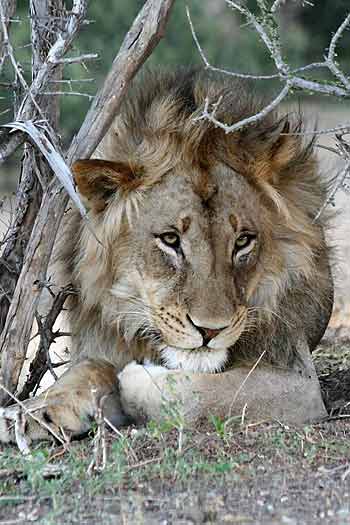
<point>170,239</point>
<point>242,241</point>
<point>245,242</point>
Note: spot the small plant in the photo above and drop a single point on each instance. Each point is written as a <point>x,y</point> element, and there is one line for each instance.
<point>219,425</point>
<point>224,427</point>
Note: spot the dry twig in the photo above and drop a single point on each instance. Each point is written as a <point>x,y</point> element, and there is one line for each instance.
<point>98,462</point>
<point>11,413</point>
<point>42,361</point>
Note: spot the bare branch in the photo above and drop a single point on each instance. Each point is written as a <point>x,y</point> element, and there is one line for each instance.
<point>272,45</point>
<point>341,181</point>
<point>7,12</point>
<point>70,93</point>
<point>345,172</point>
<point>345,128</point>
<point>316,87</point>
<point>10,52</point>
<point>336,37</point>
<point>210,115</point>
<point>75,60</point>
<point>331,58</point>
<point>145,33</point>
<point>276,5</point>
<point>217,69</point>
<point>72,80</point>
<point>282,67</point>
<point>31,102</point>
<point>290,78</point>
<point>57,51</point>
<point>302,83</point>
<point>42,361</point>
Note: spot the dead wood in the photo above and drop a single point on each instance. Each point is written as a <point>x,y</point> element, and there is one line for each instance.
<point>145,33</point>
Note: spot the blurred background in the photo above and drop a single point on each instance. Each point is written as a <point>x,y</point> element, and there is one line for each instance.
<point>229,43</point>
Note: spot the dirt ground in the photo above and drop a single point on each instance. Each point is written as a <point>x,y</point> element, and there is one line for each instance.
<point>266,473</point>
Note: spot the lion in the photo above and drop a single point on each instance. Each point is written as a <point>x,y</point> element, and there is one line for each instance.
<point>204,274</point>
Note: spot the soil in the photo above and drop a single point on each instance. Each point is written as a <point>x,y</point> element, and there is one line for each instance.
<point>284,477</point>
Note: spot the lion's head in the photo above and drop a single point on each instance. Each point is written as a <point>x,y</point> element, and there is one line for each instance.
<point>201,232</point>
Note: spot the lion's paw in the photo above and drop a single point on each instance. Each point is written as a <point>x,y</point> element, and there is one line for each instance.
<point>28,421</point>
<point>141,388</point>
<point>68,408</point>
<point>135,376</point>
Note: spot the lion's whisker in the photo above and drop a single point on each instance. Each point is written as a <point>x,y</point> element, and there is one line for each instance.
<point>253,309</point>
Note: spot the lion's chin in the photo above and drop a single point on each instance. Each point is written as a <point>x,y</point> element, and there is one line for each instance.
<point>198,360</point>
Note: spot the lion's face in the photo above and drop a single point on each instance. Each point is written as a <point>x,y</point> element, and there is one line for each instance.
<point>195,264</point>
<point>188,268</point>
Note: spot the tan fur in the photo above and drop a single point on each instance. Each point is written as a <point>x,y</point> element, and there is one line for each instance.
<point>159,170</point>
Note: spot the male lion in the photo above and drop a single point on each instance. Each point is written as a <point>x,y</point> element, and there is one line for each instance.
<point>208,259</point>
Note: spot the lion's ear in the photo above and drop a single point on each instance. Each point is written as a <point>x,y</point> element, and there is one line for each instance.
<point>97,180</point>
<point>282,150</point>
<point>286,148</point>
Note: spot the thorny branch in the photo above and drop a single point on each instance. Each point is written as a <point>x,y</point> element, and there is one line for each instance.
<point>57,51</point>
<point>42,360</point>
<point>267,28</point>
<point>289,77</point>
<point>342,179</point>
<point>330,60</point>
<point>6,13</point>
<point>34,93</point>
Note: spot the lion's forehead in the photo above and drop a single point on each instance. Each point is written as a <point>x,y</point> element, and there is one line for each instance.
<point>214,199</point>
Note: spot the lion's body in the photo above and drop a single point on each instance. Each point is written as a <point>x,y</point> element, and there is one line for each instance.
<point>207,252</point>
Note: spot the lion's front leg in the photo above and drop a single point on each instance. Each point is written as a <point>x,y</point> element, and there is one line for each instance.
<point>68,407</point>
<point>288,395</point>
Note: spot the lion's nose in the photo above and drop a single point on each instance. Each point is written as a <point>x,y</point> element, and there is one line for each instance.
<point>207,333</point>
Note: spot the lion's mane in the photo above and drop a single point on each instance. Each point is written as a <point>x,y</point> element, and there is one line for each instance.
<point>160,124</point>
